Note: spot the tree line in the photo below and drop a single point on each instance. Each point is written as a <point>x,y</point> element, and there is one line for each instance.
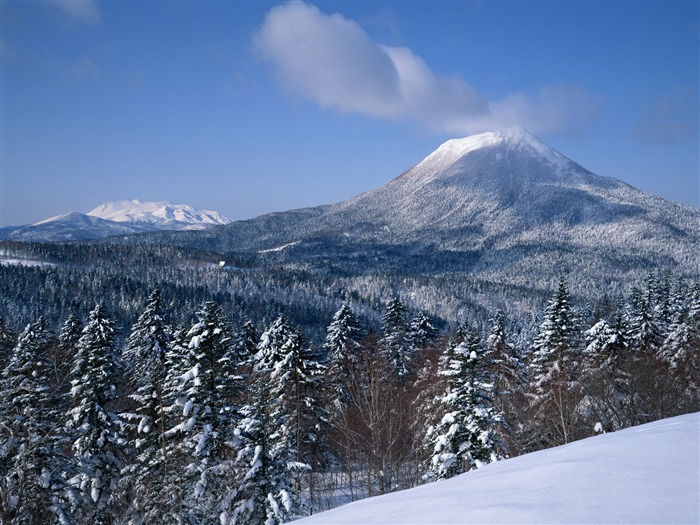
<point>219,422</point>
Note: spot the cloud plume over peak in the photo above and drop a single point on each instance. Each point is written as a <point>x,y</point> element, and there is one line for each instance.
<point>331,61</point>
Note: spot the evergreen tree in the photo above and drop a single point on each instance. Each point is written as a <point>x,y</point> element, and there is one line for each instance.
<point>177,457</point>
<point>208,415</point>
<point>554,369</point>
<point>465,436</point>
<point>394,342</point>
<point>503,361</point>
<point>263,493</point>
<point>420,333</point>
<point>681,349</point>
<point>7,343</point>
<point>145,352</point>
<point>650,391</point>
<point>506,371</point>
<point>31,458</point>
<point>247,342</point>
<point>295,375</point>
<point>294,372</point>
<point>557,340</point>
<point>269,350</point>
<point>604,377</point>
<point>605,343</point>
<point>645,333</point>
<point>68,338</point>
<point>94,430</point>
<point>341,346</point>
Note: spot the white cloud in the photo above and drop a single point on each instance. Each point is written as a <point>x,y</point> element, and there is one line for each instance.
<point>331,61</point>
<point>555,109</point>
<point>84,11</point>
<point>425,96</point>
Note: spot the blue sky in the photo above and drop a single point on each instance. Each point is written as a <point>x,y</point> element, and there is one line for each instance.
<point>253,107</point>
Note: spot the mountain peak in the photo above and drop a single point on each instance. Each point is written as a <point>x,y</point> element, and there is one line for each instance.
<point>523,138</point>
<point>162,214</point>
<point>515,138</point>
<point>116,218</point>
<point>509,151</point>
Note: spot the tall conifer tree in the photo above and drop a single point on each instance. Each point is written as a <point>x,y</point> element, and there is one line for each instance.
<point>465,435</point>
<point>146,471</point>
<point>31,451</point>
<point>93,429</point>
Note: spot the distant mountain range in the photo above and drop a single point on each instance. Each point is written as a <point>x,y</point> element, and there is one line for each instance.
<point>499,206</point>
<point>116,218</point>
<point>500,210</point>
<point>484,222</point>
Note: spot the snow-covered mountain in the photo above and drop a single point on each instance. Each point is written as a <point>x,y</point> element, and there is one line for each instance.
<point>472,191</point>
<point>116,218</point>
<point>502,206</point>
<point>644,474</point>
<point>72,226</point>
<point>163,215</point>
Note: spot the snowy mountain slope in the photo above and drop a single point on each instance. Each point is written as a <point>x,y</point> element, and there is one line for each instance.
<point>69,227</point>
<point>485,202</point>
<point>502,182</point>
<point>496,184</point>
<point>159,214</point>
<point>116,218</point>
<point>645,474</point>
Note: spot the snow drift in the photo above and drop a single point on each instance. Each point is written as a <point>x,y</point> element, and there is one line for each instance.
<point>645,474</point>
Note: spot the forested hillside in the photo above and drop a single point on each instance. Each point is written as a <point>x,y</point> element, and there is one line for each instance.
<point>219,420</point>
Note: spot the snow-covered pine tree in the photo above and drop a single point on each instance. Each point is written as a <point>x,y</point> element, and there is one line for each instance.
<point>394,342</point>
<point>7,343</point>
<point>68,338</point>
<point>465,435</point>
<point>681,349</point>
<point>31,451</point>
<point>144,474</point>
<point>503,361</point>
<point>604,342</point>
<point>342,346</point>
<point>507,373</point>
<point>554,370</point>
<point>263,493</point>
<point>425,395</point>
<point>558,338</point>
<point>247,342</point>
<point>295,374</point>
<point>603,377</point>
<point>645,333</point>
<point>650,389</point>
<point>420,333</point>
<point>202,436</point>
<point>178,362</point>
<point>424,354</point>
<point>93,429</point>
<point>269,349</point>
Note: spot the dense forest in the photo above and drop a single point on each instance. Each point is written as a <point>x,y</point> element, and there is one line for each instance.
<point>196,412</point>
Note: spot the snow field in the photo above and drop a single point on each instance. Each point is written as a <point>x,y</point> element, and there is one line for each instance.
<point>644,474</point>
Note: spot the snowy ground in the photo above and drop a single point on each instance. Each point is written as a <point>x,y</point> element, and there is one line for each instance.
<point>645,474</point>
